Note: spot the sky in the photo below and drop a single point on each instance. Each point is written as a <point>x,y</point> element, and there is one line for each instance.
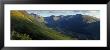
<point>46,13</point>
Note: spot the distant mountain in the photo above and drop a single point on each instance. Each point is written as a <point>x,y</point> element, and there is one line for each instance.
<point>37,17</point>
<point>90,19</point>
<point>93,29</point>
<point>80,26</point>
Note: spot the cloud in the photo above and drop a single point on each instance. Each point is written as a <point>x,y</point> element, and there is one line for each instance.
<point>65,12</point>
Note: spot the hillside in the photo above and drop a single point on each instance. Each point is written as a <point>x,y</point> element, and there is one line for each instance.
<point>26,27</point>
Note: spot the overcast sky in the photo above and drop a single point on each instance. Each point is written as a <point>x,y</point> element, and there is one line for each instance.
<point>46,13</point>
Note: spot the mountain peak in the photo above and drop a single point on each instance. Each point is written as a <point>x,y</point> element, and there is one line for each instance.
<point>90,19</point>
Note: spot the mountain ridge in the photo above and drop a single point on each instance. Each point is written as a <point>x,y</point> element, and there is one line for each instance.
<point>80,22</point>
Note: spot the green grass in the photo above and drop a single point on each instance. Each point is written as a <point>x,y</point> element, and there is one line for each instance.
<point>23,23</point>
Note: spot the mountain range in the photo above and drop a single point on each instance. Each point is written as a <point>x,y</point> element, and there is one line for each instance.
<point>25,26</point>
<point>79,26</point>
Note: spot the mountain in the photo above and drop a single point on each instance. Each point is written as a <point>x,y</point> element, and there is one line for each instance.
<point>37,17</point>
<point>27,27</point>
<point>93,29</point>
<point>79,26</point>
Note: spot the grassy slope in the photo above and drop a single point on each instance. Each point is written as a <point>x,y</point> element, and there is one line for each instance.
<point>23,23</point>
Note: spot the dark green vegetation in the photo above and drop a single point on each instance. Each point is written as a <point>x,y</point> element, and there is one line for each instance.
<point>26,27</point>
<point>82,27</point>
